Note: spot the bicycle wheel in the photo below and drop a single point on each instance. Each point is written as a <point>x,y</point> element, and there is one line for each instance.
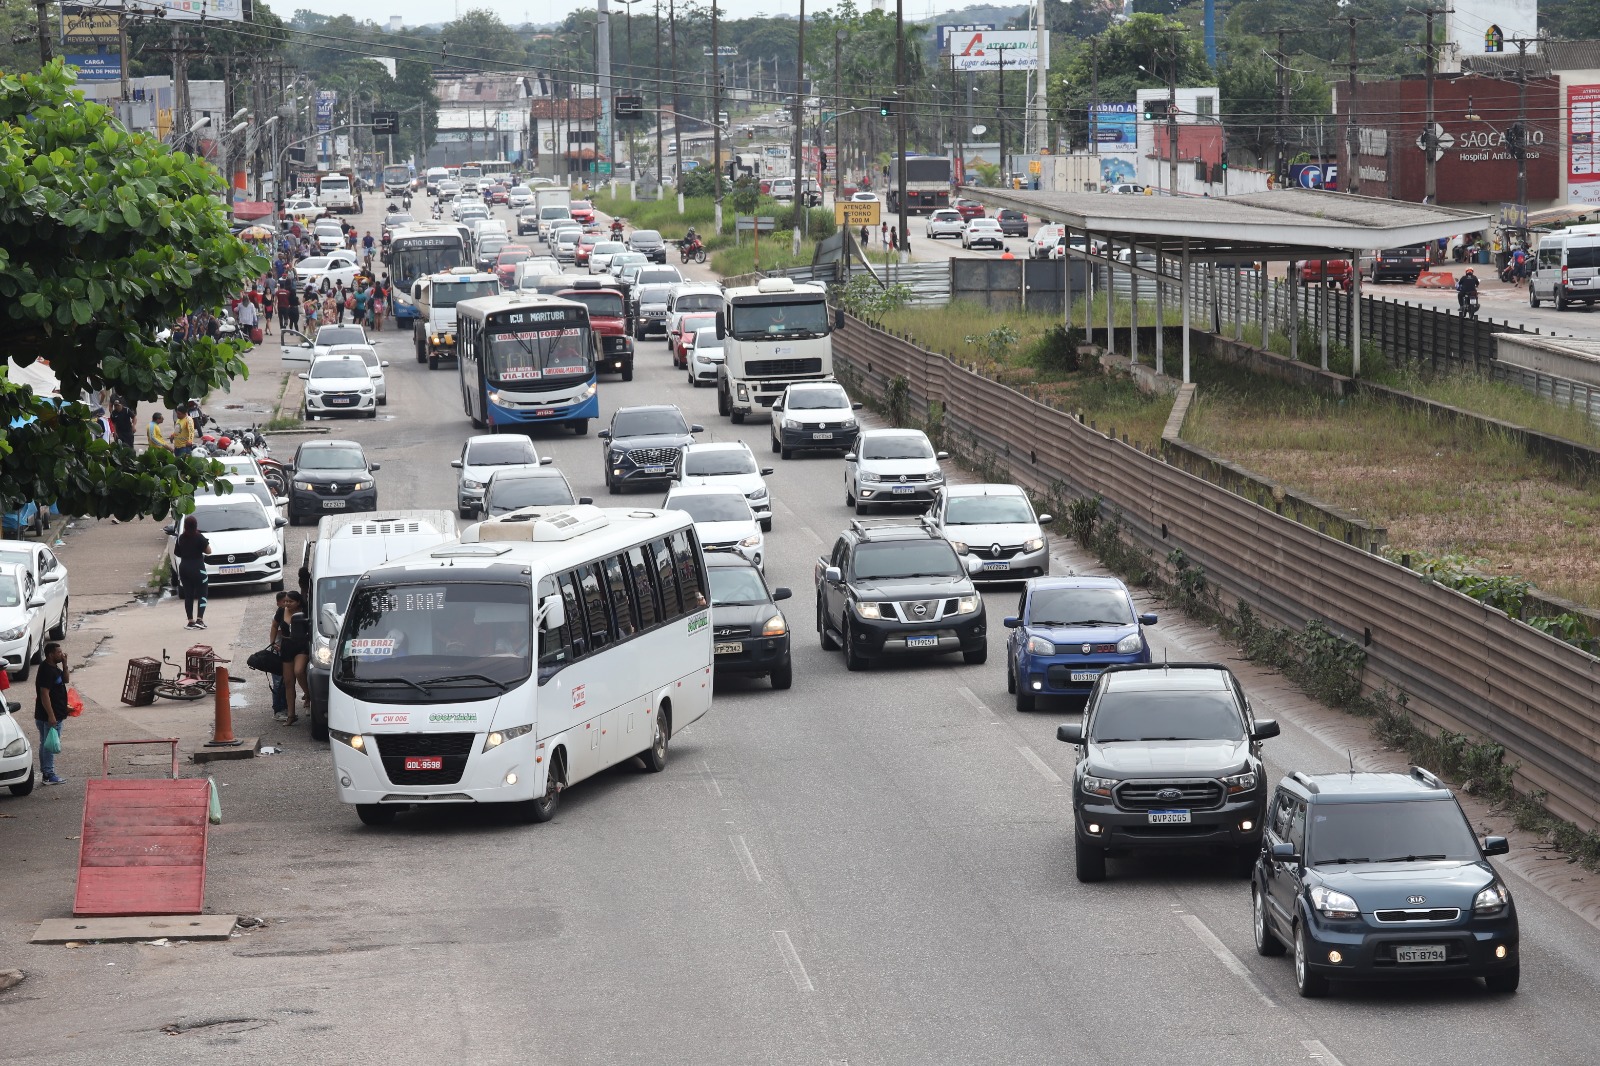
<point>172,690</point>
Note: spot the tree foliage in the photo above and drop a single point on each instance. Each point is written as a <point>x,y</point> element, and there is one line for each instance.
<point>110,236</point>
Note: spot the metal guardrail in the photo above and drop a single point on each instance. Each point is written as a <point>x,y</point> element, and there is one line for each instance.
<point>1448,653</point>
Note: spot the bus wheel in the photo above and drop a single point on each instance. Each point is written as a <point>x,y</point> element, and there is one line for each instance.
<point>375,813</point>
<point>655,757</point>
<point>543,808</point>
<point>580,427</point>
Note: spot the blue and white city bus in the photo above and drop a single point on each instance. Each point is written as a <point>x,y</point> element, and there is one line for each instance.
<point>527,359</point>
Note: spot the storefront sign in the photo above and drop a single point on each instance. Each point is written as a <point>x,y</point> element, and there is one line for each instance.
<point>1583,144</point>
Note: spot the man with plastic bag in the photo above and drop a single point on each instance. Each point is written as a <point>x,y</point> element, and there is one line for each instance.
<point>50,710</point>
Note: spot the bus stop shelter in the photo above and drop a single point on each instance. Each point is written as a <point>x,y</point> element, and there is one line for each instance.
<point>1265,227</point>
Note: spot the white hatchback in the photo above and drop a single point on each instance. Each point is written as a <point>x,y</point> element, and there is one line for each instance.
<point>730,465</point>
<point>723,519</point>
<point>339,384</point>
<point>482,457</point>
<point>50,582</point>
<point>23,630</point>
<point>983,231</point>
<point>16,754</point>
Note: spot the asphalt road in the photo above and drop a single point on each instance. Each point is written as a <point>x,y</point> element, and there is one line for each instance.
<point>868,868</point>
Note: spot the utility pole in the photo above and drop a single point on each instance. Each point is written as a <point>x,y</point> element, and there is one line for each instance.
<point>716,113</point>
<point>41,9</point>
<point>1000,117</point>
<point>677,110</point>
<point>1280,60</point>
<point>1520,147</point>
<point>122,50</point>
<point>661,160</point>
<point>799,117</point>
<point>1172,112</point>
<point>1351,178</point>
<point>900,102</point>
<point>606,135</point>
<point>1094,95</point>
<point>838,109</point>
<point>1041,74</point>
<point>1430,187</point>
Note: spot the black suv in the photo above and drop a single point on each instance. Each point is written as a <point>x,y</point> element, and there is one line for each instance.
<point>1169,756</point>
<point>330,477</point>
<point>1378,877</point>
<point>894,586</point>
<point>644,445</point>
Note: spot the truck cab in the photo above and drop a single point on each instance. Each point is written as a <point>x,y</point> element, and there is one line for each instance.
<point>337,192</point>
<point>608,318</point>
<point>436,296</point>
<point>777,333</point>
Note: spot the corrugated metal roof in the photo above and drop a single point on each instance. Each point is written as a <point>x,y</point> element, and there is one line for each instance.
<point>1552,57</point>
<point>476,89</point>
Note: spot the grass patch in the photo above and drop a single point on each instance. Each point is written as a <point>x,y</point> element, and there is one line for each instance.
<point>1498,399</point>
<point>661,215</point>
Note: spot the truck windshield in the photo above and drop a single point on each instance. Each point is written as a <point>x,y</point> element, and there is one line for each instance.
<point>431,641</point>
<point>759,317</point>
<point>448,294</point>
<point>600,304</point>
<point>1173,714</point>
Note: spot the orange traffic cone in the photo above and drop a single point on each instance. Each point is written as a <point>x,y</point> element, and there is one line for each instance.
<point>222,730</point>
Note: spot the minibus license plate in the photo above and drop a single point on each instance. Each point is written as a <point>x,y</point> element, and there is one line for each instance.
<point>424,762</point>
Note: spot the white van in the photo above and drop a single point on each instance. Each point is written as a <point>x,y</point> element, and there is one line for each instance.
<point>434,176</point>
<point>347,546</point>
<point>1566,268</point>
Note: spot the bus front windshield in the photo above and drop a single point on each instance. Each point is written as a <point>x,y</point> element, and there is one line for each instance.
<point>430,642</point>
<point>451,293</point>
<point>768,317</point>
<point>411,258</point>
<point>559,352</point>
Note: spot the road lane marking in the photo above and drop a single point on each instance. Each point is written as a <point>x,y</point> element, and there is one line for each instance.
<point>1320,1053</point>
<point>972,698</point>
<point>791,961</point>
<point>1224,956</point>
<point>711,782</point>
<point>746,860</point>
<point>1039,764</point>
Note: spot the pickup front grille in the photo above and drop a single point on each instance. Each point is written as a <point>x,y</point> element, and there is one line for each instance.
<point>774,367</point>
<point>1158,795</point>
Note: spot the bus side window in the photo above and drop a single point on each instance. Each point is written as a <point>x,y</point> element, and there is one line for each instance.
<point>621,604</point>
<point>687,554</point>
<point>666,573</point>
<point>643,587</point>
<point>554,644</point>
<point>572,632</point>
<point>594,598</point>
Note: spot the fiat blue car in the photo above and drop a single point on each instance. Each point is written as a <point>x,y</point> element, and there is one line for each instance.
<point>1068,629</point>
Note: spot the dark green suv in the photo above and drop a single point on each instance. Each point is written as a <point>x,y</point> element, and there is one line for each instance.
<point>1378,877</point>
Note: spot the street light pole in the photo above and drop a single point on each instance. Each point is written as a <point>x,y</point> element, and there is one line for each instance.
<point>661,163</point>
<point>900,122</point>
<point>799,117</point>
<point>838,129</point>
<point>716,115</point>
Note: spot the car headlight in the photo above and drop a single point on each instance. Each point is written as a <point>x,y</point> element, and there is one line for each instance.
<point>1040,646</point>
<point>313,392</point>
<point>758,494</point>
<point>867,475</point>
<point>960,546</point>
<point>1130,644</point>
<point>15,748</point>
<point>1238,783</point>
<point>493,395</point>
<point>305,486</point>
<point>588,392</point>
<point>617,456</point>
<point>1098,786</point>
<point>752,541</point>
<point>468,483</point>
<point>323,655</point>
<point>789,423</point>
<point>15,632</point>
<point>355,740</point>
<point>1332,904</point>
<point>776,626</point>
<point>848,423</point>
<point>1033,545</point>
<point>967,605</point>
<point>367,391</point>
<point>361,486</point>
<point>868,609</point>
<point>500,736</point>
<point>1491,900</point>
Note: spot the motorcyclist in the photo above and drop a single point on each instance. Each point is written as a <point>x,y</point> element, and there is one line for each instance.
<point>616,229</point>
<point>1466,289</point>
<point>691,239</point>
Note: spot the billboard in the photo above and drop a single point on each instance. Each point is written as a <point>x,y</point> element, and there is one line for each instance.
<point>984,49</point>
<point>1114,127</point>
<point>1583,144</point>
<point>947,32</point>
<point>96,67</point>
<point>1314,175</point>
<point>191,10</point>
<point>83,28</point>
<point>326,98</point>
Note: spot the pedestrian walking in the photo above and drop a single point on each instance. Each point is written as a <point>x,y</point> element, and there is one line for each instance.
<point>293,309</point>
<point>375,311</point>
<point>360,298</point>
<point>285,301</point>
<point>894,239</point>
<point>182,433</point>
<point>294,648</point>
<point>280,702</point>
<point>327,312</point>
<point>866,235</point>
<point>154,438</point>
<point>191,550</point>
<point>248,320</point>
<point>50,709</point>
<point>311,314</point>
<point>884,233</point>
<point>121,423</point>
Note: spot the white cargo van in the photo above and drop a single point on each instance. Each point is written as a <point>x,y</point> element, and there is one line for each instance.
<point>1566,268</point>
<point>347,546</point>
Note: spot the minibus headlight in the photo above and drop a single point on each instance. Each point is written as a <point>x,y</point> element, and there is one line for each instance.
<point>500,736</point>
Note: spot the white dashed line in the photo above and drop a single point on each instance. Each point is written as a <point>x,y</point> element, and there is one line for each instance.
<point>746,860</point>
<point>1039,764</point>
<point>1320,1054</point>
<point>791,961</point>
<point>1224,956</point>
<point>972,698</point>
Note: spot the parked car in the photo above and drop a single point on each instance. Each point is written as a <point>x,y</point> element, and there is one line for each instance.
<point>1395,264</point>
<point>16,751</point>
<point>368,355</point>
<point>23,626</point>
<point>1066,632</point>
<point>299,348</point>
<point>749,634</point>
<point>50,580</point>
<point>1330,272</point>
<point>246,540</point>
<point>328,476</point>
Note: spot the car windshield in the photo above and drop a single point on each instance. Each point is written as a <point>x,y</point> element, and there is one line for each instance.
<point>430,641</point>
<point>733,586</point>
<point>1398,831</point>
<point>491,245</point>
<point>653,294</point>
<point>331,459</point>
<point>900,446</point>
<point>9,597</point>
<point>365,353</point>
<point>712,507</point>
<point>331,335</point>
<point>1079,607</point>
<point>250,487</point>
<point>316,262</point>
<point>228,517</point>
<point>714,462</point>
<point>987,510</point>
<point>511,256</point>
<point>1173,714</point>
<point>450,293</point>
<point>507,494</point>
<point>325,369</point>
<point>646,236</point>
<point>658,276</point>
<point>906,559</point>
<point>816,400</point>
<point>504,452</point>
<point>608,248</point>
<point>658,423</point>
<point>554,212</point>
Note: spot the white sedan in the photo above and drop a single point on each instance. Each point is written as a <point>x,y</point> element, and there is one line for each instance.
<point>49,575</point>
<point>945,222</point>
<point>23,628</point>
<point>600,255</point>
<point>302,208</point>
<point>16,754</point>
<point>338,267</point>
<point>982,231</point>
<point>329,236</point>
<point>369,355</point>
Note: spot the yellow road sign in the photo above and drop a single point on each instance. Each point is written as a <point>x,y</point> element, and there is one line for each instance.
<point>1034,167</point>
<point>858,213</point>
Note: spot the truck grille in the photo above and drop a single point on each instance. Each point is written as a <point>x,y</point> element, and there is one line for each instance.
<point>1193,795</point>
<point>907,610</point>
<point>774,367</point>
<point>454,748</point>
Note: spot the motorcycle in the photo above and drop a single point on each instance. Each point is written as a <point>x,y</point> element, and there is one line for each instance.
<point>692,251</point>
<point>1468,304</point>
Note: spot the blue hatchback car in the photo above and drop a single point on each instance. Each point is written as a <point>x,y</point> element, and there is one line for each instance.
<point>1068,629</point>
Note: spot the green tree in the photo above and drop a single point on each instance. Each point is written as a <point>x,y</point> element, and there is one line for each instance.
<point>110,236</point>
<point>1135,54</point>
<point>479,34</point>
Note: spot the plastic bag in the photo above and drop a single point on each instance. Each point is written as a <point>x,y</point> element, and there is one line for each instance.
<point>52,741</point>
<point>214,806</point>
<point>74,703</point>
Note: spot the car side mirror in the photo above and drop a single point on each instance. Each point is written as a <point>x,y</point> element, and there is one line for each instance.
<point>781,593</point>
<point>49,579</point>
<point>838,318</point>
<point>1072,733</point>
<point>604,434</point>
<point>1266,729</point>
<point>552,613</point>
<point>35,604</point>
<point>303,377</point>
<point>1012,622</point>
<point>849,457</point>
<point>384,362</point>
<point>455,464</point>
<point>766,471</point>
<point>974,564</point>
<point>941,456</point>
<point>374,467</point>
<point>279,523</point>
<point>1284,852</point>
<point>1496,846</point>
<point>586,499</point>
<point>722,328</point>
<point>697,428</point>
<point>1147,619</point>
<point>857,406</point>
<point>832,575</point>
<point>329,620</point>
<point>545,460</point>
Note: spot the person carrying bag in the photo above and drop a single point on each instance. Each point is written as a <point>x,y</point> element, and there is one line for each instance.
<point>50,710</point>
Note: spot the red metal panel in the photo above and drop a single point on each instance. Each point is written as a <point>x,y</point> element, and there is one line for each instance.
<point>143,849</point>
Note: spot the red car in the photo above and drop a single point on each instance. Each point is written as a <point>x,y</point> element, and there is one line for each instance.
<point>586,243</point>
<point>499,195</point>
<point>1324,272</point>
<point>682,337</point>
<point>583,211</point>
<point>505,265</point>
<point>970,209</point>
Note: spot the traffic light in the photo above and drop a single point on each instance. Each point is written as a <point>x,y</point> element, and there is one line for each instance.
<point>629,105</point>
<point>886,106</point>
<point>822,163</point>
<point>1154,109</point>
